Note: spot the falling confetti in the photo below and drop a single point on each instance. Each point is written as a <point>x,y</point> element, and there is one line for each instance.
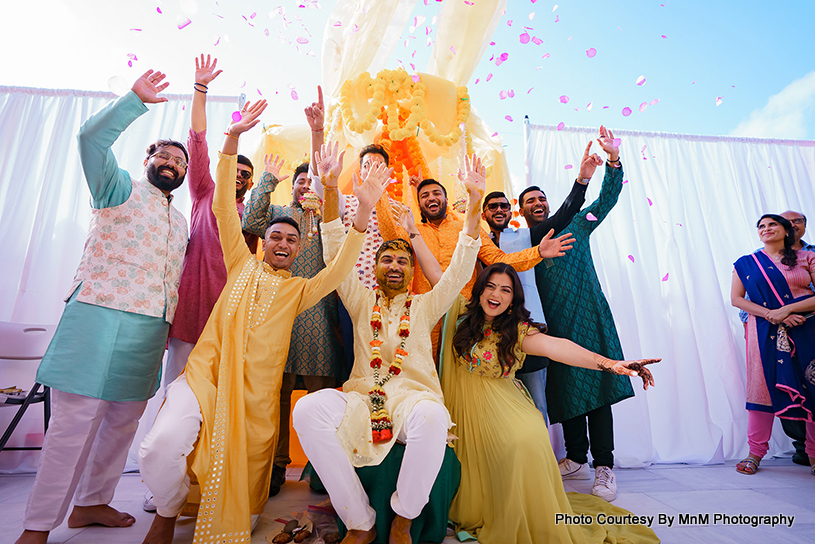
<point>236,116</point>
<point>530,90</point>
<point>508,118</point>
<point>536,40</point>
<point>568,167</point>
<point>664,36</point>
<point>666,277</point>
<point>561,125</point>
<point>511,93</point>
<point>158,10</point>
<point>453,49</point>
<point>654,101</point>
<point>546,55</point>
<point>641,81</point>
<point>182,22</point>
<point>524,38</point>
<point>591,217</point>
<point>631,257</point>
<point>564,99</point>
<point>557,18</point>
<point>625,181</point>
<point>416,78</point>
<point>489,77</point>
<point>591,52</point>
<point>718,100</point>
<point>650,203</point>
<point>135,30</point>
<point>502,95</point>
<point>643,106</point>
<point>626,111</point>
<point>301,40</point>
<point>589,105</point>
<point>294,95</point>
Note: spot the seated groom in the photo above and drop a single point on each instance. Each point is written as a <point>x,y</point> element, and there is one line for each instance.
<point>393,392</point>
<point>218,423</point>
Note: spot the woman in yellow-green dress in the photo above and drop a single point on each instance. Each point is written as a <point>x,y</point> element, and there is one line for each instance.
<point>511,490</point>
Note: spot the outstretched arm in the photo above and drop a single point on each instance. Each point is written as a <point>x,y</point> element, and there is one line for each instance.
<point>569,353</point>
<point>256,215</point>
<point>315,115</point>
<point>205,72</point>
<point>427,261</point>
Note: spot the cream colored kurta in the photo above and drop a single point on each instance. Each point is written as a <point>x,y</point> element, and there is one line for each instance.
<point>418,379</point>
<point>236,368</point>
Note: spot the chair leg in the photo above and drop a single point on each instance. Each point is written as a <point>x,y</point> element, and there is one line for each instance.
<point>17,417</point>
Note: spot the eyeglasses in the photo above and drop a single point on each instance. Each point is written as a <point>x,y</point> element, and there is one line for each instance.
<point>493,206</point>
<point>245,175</point>
<point>163,155</point>
<point>799,221</point>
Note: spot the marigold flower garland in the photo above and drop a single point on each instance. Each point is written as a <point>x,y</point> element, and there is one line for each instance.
<point>381,424</point>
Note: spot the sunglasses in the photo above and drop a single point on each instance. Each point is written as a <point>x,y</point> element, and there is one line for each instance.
<point>245,175</point>
<point>494,206</point>
<point>163,155</point>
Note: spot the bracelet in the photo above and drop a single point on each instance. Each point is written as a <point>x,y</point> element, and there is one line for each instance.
<point>317,130</point>
<point>228,134</point>
<point>614,164</point>
<point>201,84</point>
<point>199,90</point>
<point>583,181</point>
<point>413,235</point>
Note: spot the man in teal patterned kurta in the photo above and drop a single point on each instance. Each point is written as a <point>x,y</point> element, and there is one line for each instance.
<point>576,309</point>
<point>315,353</point>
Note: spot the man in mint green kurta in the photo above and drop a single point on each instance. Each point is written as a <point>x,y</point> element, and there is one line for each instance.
<point>104,361</point>
<point>576,309</point>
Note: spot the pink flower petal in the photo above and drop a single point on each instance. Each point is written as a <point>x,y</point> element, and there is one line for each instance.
<point>557,18</point>
<point>650,203</point>
<point>524,38</point>
<point>626,111</point>
<point>536,40</point>
<point>591,217</point>
<point>554,8</point>
<point>568,167</point>
<point>158,10</point>
<point>453,49</point>
<point>564,99</point>
<point>718,100</point>
<point>260,93</point>
<point>294,95</point>
<point>417,78</point>
<point>530,90</point>
<point>135,30</point>
<point>217,41</point>
<point>338,23</point>
<point>625,181</point>
<point>509,23</point>
<point>489,77</point>
<point>666,276</point>
<point>654,101</point>
<point>546,55</point>
<point>631,257</point>
<point>511,93</point>
<point>643,106</point>
<point>589,105</point>
<point>616,142</point>
<point>502,95</point>
<point>605,107</point>
<point>591,52</point>
<point>182,22</point>
<point>236,116</point>
<point>504,56</point>
<point>301,40</point>
<point>561,125</point>
<point>508,118</point>
<point>641,81</point>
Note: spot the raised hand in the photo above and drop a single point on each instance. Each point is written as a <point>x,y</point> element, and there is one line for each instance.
<point>148,86</point>
<point>606,141</point>
<point>414,181</point>
<point>272,164</point>
<point>249,118</point>
<point>369,191</point>
<point>315,114</point>
<point>205,70</point>
<point>328,164</point>
<point>404,216</point>
<point>474,177</point>
<point>589,163</point>
<point>635,368</point>
<point>550,248</point>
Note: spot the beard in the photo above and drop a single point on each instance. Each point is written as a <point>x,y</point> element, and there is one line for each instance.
<point>498,225</point>
<point>441,213</point>
<point>242,191</point>
<point>161,182</point>
<point>397,287</point>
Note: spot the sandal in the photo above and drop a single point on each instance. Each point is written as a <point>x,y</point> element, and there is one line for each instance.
<point>748,465</point>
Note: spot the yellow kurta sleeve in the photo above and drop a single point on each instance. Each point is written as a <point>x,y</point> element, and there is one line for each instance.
<point>520,260</point>
<point>226,213</point>
<point>337,270</point>
<point>438,300</point>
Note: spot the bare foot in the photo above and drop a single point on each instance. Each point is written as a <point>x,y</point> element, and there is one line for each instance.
<point>33,537</point>
<point>400,531</point>
<point>101,514</point>
<point>356,536</point>
<point>161,531</point>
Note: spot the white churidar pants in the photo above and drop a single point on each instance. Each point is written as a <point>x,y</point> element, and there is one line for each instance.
<point>163,452</point>
<point>177,353</point>
<point>317,417</point>
<point>84,454</point>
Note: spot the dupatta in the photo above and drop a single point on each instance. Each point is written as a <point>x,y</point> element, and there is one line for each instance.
<point>787,353</point>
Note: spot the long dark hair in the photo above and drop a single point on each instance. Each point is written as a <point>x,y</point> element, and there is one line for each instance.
<point>790,256</point>
<point>471,329</point>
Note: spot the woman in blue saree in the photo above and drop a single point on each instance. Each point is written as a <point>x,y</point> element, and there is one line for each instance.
<point>780,336</point>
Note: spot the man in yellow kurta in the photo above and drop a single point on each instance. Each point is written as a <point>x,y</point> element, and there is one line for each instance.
<point>219,417</point>
<point>394,391</point>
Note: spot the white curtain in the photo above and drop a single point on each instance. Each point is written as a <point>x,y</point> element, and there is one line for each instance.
<point>45,207</point>
<point>687,211</point>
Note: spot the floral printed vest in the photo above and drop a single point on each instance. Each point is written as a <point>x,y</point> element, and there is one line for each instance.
<point>133,255</point>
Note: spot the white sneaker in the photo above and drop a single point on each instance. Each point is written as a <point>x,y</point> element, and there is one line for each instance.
<point>147,503</point>
<point>605,486</point>
<point>569,470</point>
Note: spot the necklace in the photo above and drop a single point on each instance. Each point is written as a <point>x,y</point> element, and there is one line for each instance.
<point>381,424</point>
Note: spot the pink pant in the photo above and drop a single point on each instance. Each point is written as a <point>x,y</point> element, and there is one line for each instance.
<point>760,428</point>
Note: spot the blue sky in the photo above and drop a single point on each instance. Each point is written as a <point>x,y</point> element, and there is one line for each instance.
<point>756,56</point>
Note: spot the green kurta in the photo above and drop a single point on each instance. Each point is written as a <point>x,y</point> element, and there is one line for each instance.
<point>576,309</point>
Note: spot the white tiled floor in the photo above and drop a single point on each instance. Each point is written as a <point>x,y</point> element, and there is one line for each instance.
<point>778,488</point>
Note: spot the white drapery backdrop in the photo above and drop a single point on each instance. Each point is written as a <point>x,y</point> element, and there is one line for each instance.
<point>45,209</point>
<point>687,211</point>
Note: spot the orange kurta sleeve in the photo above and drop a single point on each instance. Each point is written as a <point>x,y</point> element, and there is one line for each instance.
<point>388,227</point>
<point>520,260</point>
